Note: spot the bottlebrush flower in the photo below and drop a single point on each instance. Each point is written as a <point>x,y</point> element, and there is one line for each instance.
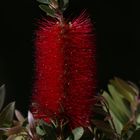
<point>65,70</point>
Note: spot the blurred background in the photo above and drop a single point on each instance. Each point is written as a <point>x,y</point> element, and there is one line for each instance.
<point>117,43</point>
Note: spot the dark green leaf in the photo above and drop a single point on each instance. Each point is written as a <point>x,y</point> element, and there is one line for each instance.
<point>136,135</point>
<point>6,116</point>
<point>66,2</point>
<point>47,10</point>
<point>71,137</point>
<point>49,130</point>
<point>105,128</point>
<point>102,125</point>
<point>100,111</point>
<point>44,1</point>
<point>61,4</point>
<point>2,95</point>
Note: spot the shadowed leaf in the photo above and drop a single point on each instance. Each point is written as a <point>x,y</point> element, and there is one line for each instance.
<point>44,1</point>
<point>2,95</point>
<point>66,2</point>
<point>136,135</point>
<point>6,116</point>
<point>47,10</point>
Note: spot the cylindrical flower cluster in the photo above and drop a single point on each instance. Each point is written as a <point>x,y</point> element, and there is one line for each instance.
<point>65,70</point>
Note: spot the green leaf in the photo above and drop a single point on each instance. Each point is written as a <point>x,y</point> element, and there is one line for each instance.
<point>124,89</point>
<point>40,131</point>
<point>118,99</point>
<point>136,135</point>
<point>71,137</point>
<point>2,95</point>
<point>6,116</point>
<point>78,133</point>
<point>112,106</point>
<point>50,132</point>
<point>117,123</point>
<point>63,4</point>
<point>134,87</point>
<point>44,1</point>
<point>47,10</point>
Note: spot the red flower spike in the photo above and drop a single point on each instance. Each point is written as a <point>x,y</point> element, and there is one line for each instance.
<point>66,70</point>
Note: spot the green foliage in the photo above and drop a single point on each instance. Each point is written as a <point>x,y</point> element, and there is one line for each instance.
<point>123,105</point>
<point>116,117</point>
<point>6,116</point>
<point>47,10</point>
<point>54,8</point>
<point>63,4</point>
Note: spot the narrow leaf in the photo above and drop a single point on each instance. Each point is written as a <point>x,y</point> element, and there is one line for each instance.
<point>19,116</point>
<point>31,120</point>
<point>50,131</point>
<point>116,110</point>
<point>118,99</point>
<point>124,89</point>
<point>47,10</point>
<point>6,116</point>
<point>117,123</point>
<point>2,95</point>
<point>44,1</point>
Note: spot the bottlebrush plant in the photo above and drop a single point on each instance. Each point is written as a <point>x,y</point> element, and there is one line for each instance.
<point>65,67</point>
<point>65,104</point>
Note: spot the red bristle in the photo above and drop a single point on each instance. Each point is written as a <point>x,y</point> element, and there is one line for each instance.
<point>81,76</point>
<point>48,87</point>
<point>66,70</point>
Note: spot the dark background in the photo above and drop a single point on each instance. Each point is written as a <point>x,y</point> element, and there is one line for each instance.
<point>117,34</point>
